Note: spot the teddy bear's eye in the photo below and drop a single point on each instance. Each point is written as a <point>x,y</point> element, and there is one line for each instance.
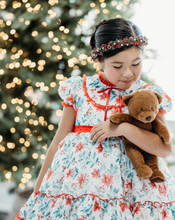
<point>142,109</point>
<point>152,109</point>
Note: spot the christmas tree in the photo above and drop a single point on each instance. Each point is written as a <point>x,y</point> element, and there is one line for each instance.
<point>42,43</point>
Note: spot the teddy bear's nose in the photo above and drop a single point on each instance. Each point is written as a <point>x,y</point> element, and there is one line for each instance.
<point>148,118</point>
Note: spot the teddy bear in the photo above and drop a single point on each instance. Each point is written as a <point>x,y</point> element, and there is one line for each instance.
<point>143,107</point>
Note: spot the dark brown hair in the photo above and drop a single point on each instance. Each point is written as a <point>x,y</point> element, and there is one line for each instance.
<point>109,30</point>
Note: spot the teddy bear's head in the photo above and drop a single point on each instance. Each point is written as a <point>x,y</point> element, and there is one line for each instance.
<point>143,104</point>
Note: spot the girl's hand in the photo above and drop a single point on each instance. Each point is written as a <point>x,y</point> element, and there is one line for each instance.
<point>105,130</point>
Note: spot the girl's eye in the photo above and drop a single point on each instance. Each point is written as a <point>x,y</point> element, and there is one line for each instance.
<point>117,67</point>
<point>136,64</point>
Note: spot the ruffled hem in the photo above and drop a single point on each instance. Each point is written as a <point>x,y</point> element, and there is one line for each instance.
<point>89,206</point>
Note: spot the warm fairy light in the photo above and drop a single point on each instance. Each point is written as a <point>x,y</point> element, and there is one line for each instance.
<point>106,11</point>
<point>48,54</point>
<point>8,23</point>
<point>59,57</point>
<point>35,33</point>
<point>3,106</point>
<point>14,168</point>
<point>21,140</point>
<point>61,28</point>
<point>53,2</point>
<point>50,127</point>
<point>8,175</point>
<point>27,144</point>
<point>118,16</point>
<point>27,22</point>
<point>53,84</point>
<point>1,71</point>
<point>21,186</point>
<point>2,148</point>
<point>59,112</point>
<point>23,149</point>
<point>55,40</point>
<point>12,130</point>
<point>37,7</point>
<point>1,138</point>
<point>44,24</point>
<point>103,5</point>
<point>92,5</point>
<point>10,145</point>
<point>50,34</point>
<point>35,156</point>
<point>126,2</point>
<point>27,131</point>
<point>39,138</point>
<point>66,31</point>
<point>26,169</point>
<point>59,76</point>
<point>42,156</point>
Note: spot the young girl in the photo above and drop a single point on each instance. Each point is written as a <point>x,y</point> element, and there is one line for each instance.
<point>87,173</point>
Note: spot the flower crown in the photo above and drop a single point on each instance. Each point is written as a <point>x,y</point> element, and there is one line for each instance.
<point>118,43</point>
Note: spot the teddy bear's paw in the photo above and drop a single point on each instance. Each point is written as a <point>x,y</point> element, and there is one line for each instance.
<point>166,138</point>
<point>157,177</point>
<point>114,119</point>
<point>144,172</point>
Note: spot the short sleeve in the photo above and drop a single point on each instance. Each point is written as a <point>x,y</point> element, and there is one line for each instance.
<point>166,104</point>
<point>67,91</point>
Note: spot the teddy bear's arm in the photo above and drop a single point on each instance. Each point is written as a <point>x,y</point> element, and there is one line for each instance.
<point>120,117</point>
<point>161,129</point>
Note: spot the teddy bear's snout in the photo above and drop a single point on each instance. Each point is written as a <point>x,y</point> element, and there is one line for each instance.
<point>148,118</point>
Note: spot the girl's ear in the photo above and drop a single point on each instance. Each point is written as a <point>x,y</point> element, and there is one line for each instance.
<point>126,99</point>
<point>100,63</point>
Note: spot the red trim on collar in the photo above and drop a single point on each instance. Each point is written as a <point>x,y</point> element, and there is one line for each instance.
<point>103,80</point>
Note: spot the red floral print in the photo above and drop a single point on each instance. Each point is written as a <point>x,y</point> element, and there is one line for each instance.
<point>96,206</point>
<point>70,99</point>
<point>107,179</point>
<point>163,189</point>
<point>49,174</point>
<point>123,206</point>
<point>164,214</point>
<point>100,148</point>
<point>68,201</point>
<point>95,173</point>
<point>79,147</point>
<point>137,209</point>
<point>81,180</point>
<point>69,173</point>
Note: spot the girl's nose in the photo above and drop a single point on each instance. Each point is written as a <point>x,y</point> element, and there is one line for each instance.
<point>127,72</point>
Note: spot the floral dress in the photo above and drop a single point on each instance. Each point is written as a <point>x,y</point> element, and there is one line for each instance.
<point>97,181</point>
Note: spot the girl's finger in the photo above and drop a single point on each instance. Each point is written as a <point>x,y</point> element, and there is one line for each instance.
<point>97,136</point>
<point>94,131</point>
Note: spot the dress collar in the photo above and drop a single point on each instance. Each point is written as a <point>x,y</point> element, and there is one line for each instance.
<point>103,80</point>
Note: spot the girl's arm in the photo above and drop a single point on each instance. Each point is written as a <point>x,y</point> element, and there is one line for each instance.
<point>66,126</point>
<point>147,141</point>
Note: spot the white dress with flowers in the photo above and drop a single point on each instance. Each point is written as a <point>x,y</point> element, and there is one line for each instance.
<point>97,181</point>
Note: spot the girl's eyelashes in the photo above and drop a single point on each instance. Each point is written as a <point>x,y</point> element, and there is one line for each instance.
<point>136,64</point>
<point>117,67</point>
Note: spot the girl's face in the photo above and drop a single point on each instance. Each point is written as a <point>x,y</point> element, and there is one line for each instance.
<point>123,68</point>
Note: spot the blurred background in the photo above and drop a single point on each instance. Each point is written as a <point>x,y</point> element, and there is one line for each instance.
<point>42,43</point>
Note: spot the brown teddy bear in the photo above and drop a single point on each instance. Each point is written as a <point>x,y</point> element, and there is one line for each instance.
<point>143,106</point>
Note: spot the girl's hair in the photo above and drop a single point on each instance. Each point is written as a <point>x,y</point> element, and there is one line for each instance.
<point>110,30</point>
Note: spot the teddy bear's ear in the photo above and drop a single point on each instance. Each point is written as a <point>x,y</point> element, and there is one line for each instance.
<point>126,99</point>
<point>159,97</point>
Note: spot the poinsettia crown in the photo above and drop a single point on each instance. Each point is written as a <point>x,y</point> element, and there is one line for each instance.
<point>118,43</point>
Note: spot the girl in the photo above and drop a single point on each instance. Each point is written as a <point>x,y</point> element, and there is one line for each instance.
<point>87,173</point>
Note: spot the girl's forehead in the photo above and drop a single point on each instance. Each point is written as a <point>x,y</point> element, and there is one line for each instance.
<point>129,55</point>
